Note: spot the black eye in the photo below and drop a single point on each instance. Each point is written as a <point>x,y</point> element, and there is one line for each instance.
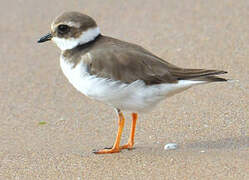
<point>63,29</point>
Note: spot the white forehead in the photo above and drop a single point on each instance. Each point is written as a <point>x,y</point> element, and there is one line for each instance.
<point>69,23</point>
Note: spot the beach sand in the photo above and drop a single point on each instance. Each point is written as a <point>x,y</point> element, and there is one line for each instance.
<point>48,130</point>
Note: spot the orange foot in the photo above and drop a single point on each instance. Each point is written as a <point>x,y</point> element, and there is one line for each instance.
<point>116,148</point>
<point>107,151</point>
<point>128,146</point>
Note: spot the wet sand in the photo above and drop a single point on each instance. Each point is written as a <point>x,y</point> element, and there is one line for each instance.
<point>48,130</point>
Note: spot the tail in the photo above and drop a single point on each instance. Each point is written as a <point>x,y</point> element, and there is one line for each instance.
<point>199,75</point>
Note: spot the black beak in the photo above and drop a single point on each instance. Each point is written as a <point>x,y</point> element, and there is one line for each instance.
<point>45,38</point>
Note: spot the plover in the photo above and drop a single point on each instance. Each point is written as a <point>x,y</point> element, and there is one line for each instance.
<point>121,74</point>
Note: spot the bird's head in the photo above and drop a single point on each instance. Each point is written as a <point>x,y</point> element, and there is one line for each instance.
<point>71,29</point>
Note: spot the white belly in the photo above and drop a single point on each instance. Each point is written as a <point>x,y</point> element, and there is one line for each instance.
<point>131,97</point>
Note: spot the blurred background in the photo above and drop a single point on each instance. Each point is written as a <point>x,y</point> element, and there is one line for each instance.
<point>48,129</point>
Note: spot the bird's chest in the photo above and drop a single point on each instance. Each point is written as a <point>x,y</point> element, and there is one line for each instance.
<point>77,75</point>
<point>89,85</point>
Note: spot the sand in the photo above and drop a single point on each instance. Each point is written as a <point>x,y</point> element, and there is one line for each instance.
<point>48,130</point>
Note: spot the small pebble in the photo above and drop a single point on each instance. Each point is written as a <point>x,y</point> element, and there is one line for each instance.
<point>205,125</point>
<point>170,146</point>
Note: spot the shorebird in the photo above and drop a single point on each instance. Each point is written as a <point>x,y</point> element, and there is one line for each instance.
<point>121,74</point>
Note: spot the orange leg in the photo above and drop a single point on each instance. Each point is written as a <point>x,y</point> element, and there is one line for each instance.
<point>130,143</point>
<point>115,148</point>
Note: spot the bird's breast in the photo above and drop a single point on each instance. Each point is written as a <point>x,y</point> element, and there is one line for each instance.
<point>90,85</point>
<point>77,75</point>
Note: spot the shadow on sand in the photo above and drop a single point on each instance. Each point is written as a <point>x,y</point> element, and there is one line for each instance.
<point>226,143</point>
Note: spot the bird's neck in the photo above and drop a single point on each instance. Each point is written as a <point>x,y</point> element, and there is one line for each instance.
<point>71,43</point>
